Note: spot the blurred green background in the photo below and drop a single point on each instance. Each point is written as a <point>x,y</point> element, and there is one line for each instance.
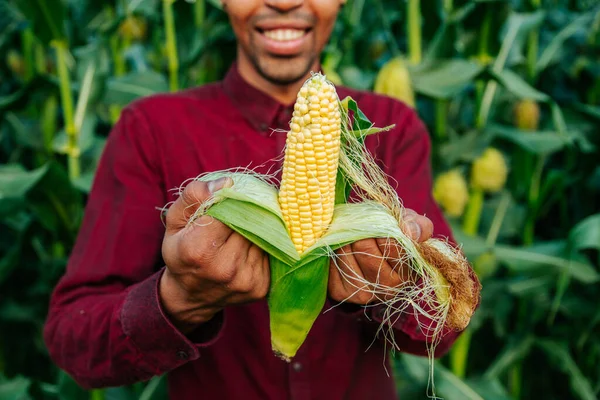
<point>510,92</point>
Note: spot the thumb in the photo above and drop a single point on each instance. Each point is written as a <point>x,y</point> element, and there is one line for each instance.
<point>193,196</point>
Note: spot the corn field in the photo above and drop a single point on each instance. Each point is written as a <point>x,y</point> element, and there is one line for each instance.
<point>510,93</point>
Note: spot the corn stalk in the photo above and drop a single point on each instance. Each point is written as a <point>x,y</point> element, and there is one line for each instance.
<point>413,28</point>
<point>73,151</point>
<point>171,44</point>
<point>199,13</point>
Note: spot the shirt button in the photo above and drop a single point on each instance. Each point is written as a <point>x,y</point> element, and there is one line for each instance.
<point>297,366</point>
<point>263,127</point>
<point>182,355</point>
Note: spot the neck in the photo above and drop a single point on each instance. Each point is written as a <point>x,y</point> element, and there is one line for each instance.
<point>285,94</point>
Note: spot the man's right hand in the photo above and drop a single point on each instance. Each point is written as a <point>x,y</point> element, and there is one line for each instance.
<point>208,265</point>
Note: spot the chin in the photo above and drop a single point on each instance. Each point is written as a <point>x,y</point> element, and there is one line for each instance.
<point>284,71</point>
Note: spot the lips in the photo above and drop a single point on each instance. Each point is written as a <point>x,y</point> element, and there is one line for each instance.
<point>283,39</point>
<point>284,35</point>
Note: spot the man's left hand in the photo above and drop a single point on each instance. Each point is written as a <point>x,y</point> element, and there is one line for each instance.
<point>377,260</point>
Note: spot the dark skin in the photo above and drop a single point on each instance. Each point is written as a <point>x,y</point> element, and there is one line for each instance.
<point>209,266</point>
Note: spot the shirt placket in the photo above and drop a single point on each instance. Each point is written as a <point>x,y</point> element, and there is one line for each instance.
<point>299,378</point>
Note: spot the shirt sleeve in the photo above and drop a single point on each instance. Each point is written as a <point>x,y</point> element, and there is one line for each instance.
<point>406,159</point>
<point>105,325</point>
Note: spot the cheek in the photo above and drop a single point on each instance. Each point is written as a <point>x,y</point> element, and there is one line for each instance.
<point>326,12</point>
<point>240,13</point>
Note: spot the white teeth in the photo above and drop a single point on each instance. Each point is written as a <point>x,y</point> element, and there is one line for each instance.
<point>283,35</point>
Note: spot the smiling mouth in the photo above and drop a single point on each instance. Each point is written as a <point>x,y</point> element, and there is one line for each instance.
<point>284,34</point>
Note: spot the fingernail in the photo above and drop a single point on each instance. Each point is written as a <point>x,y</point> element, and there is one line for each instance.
<point>218,184</point>
<point>414,229</point>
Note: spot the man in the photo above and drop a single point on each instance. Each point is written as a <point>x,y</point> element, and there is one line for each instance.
<point>121,314</point>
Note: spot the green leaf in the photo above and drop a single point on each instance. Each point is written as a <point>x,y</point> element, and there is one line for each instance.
<point>514,35</point>
<point>552,51</point>
<point>15,181</point>
<point>125,89</point>
<point>69,389</point>
<point>55,202</point>
<point>147,7</point>
<point>518,86</point>
<point>360,121</point>
<point>450,387</point>
<point>15,389</point>
<point>155,389</point>
<point>47,18</point>
<point>216,3</point>
<point>539,257</point>
<point>86,136</point>
<point>586,234</point>
<point>512,352</point>
<point>534,142</point>
<point>592,111</point>
<point>445,78</point>
<point>559,353</point>
<point>9,261</point>
<point>526,286</point>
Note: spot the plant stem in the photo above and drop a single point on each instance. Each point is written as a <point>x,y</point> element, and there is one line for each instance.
<point>97,394</point>
<point>448,6</point>
<point>533,200</point>
<point>532,46</point>
<point>118,47</point>
<point>473,212</point>
<point>40,58</point>
<point>2,362</point>
<point>413,13</point>
<point>68,110</point>
<point>27,43</point>
<point>441,118</point>
<point>484,40</point>
<point>48,122</point>
<point>199,13</point>
<point>499,216</point>
<point>460,354</point>
<point>532,50</point>
<point>171,44</point>
<point>515,381</point>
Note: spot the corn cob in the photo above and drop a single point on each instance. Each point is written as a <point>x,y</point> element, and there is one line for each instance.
<point>307,193</point>
<point>527,115</point>
<point>394,80</point>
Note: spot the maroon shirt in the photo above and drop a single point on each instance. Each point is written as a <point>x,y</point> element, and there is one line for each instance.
<point>106,326</point>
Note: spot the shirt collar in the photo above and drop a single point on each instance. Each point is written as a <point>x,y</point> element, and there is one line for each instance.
<point>260,110</point>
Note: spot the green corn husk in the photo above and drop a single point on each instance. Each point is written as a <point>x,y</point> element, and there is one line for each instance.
<point>299,281</point>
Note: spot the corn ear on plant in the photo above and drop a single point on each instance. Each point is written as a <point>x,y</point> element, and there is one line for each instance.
<point>302,223</point>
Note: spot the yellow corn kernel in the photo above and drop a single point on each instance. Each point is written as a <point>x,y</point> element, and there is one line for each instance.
<point>311,162</point>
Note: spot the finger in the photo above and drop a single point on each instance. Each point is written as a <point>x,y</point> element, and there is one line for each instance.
<point>193,195</point>
<point>265,276</point>
<point>390,248</point>
<point>418,227</point>
<point>347,276</point>
<point>258,261</point>
<point>377,268</point>
<point>369,258</point>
